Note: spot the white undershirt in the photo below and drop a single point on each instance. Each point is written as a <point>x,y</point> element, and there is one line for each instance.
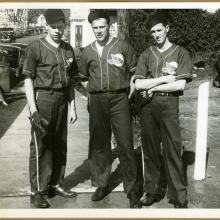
<point>50,41</point>
<point>100,48</point>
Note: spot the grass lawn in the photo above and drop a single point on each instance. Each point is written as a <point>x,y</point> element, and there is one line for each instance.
<point>16,103</point>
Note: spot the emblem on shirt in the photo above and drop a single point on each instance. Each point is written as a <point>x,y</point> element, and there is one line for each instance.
<point>170,68</point>
<point>116,59</point>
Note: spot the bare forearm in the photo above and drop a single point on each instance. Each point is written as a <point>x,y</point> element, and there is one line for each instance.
<point>170,87</point>
<point>29,90</point>
<point>148,83</point>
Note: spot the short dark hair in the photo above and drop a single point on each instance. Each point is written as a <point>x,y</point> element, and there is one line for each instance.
<point>54,15</point>
<point>98,13</point>
<point>156,18</point>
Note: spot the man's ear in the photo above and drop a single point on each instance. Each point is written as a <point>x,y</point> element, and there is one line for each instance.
<point>167,27</point>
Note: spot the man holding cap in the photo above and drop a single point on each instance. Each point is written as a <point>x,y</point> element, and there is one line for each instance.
<point>157,72</point>
<point>49,68</point>
<point>107,64</point>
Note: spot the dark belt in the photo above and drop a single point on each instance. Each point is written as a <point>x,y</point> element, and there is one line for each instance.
<point>52,90</point>
<point>168,93</point>
<point>110,92</point>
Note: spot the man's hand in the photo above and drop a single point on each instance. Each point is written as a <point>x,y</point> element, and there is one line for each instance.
<point>72,114</point>
<point>39,123</point>
<point>147,94</point>
<point>132,87</point>
<point>169,78</point>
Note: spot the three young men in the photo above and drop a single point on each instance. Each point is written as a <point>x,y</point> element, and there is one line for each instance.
<point>107,64</point>
<point>157,72</point>
<point>49,68</point>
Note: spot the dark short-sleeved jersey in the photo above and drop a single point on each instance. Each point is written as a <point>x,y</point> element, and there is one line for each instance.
<point>110,72</point>
<point>152,62</point>
<point>50,67</point>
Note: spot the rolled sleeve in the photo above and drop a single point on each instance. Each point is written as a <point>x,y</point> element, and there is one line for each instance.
<point>30,62</point>
<point>73,74</point>
<point>185,65</point>
<point>83,67</point>
<point>141,68</point>
<point>130,58</point>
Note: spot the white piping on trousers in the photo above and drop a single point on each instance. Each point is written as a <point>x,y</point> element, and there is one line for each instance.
<point>143,168</point>
<point>37,154</point>
<point>37,161</point>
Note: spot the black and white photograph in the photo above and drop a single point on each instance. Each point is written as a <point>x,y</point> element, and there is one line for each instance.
<point>110,108</point>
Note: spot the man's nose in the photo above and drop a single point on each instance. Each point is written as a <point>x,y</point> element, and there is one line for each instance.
<point>157,34</point>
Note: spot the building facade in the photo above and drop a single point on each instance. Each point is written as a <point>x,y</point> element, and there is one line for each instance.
<point>80,28</point>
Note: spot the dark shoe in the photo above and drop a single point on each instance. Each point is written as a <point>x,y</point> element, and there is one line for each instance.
<point>179,205</point>
<point>149,199</point>
<point>134,200</point>
<point>38,201</point>
<point>58,190</point>
<point>100,193</point>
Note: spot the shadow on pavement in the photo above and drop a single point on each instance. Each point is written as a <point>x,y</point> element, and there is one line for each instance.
<point>82,173</point>
<point>188,158</point>
<point>14,97</point>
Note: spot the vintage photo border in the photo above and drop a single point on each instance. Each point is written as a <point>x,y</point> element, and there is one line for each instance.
<point>110,213</point>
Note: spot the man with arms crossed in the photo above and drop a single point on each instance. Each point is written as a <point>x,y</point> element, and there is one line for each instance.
<point>157,71</point>
<point>107,64</point>
<point>49,68</point>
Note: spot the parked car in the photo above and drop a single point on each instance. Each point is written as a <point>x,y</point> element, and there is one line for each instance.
<point>11,64</point>
<point>30,31</point>
<point>18,33</point>
<point>7,35</point>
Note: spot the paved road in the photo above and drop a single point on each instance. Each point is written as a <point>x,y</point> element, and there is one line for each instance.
<point>29,39</point>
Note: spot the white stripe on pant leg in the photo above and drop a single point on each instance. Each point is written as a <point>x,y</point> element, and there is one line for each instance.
<point>37,161</point>
<point>143,168</point>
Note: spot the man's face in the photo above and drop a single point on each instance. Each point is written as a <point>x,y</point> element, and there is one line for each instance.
<point>100,28</point>
<point>56,30</point>
<point>159,33</point>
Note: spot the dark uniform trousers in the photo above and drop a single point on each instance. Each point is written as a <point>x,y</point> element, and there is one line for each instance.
<point>160,123</point>
<point>110,112</point>
<point>48,154</point>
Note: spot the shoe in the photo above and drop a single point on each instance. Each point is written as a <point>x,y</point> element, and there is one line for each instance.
<point>149,199</point>
<point>100,193</point>
<point>179,205</point>
<point>38,201</point>
<point>134,200</point>
<point>58,190</point>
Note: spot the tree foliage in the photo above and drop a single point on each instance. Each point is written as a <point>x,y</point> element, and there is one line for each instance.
<point>33,14</point>
<point>195,29</point>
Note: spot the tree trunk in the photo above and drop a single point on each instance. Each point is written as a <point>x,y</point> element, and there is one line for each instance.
<point>123,24</point>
